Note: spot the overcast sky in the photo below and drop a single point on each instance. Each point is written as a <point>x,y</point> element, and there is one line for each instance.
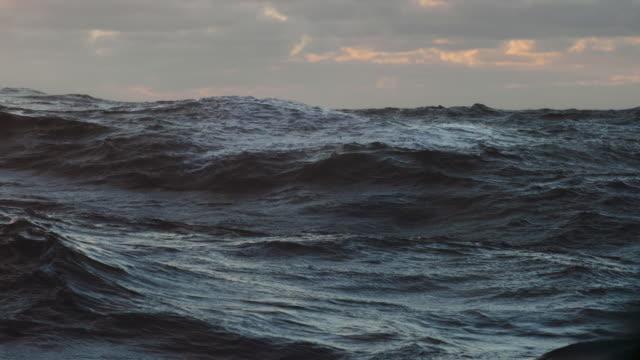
<point>337,53</point>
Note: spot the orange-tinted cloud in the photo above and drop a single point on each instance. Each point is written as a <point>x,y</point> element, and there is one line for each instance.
<point>432,3</point>
<point>524,52</point>
<point>99,34</point>
<point>416,56</point>
<point>520,47</point>
<point>515,53</point>
<point>442,41</point>
<point>593,44</point>
<point>274,14</point>
<point>355,54</point>
<point>466,57</point>
<point>603,44</point>
<point>298,47</point>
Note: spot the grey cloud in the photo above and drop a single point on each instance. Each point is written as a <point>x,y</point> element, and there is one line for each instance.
<point>175,46</point>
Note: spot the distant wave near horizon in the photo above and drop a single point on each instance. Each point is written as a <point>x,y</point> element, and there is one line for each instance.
<point>244,228</point>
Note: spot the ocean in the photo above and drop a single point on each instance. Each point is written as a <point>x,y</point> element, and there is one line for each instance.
<point>245,228</point>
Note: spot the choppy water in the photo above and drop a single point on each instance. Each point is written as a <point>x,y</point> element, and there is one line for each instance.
<point>241,228</point>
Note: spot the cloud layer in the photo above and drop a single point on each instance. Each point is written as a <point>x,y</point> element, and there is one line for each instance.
<point>340,53</point>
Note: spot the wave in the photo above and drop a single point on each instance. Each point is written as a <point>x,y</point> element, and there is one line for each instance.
<point>202,228</point>
<point>47,127</point>
<point>193,338</point>
<point>160,334</point>
<point>19,91</point>
<point>38,262</point>
<point>344,248</point>
<point>51,289</point>
<point>94,152</point>
<point>596,229</point>
<point>476,110</point>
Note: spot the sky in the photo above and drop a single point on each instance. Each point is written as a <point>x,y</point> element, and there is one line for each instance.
<point>337,53</point>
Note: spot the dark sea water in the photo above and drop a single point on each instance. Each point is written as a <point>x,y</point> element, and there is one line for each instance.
<point>241,228</point>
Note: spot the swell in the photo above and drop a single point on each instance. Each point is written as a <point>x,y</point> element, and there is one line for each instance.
<point>343,166</point>
<point>476,110</point>
<point>123,145</point>
<point>41,272</point>
<point>343,248</point>
<point>97,153</point>
<point>162,334</point>
<point>46,127</point>
<point>52,291</point>
<point>539,184</point>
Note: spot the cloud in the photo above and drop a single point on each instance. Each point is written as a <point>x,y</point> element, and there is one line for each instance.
<point>387,83</point>
<point>298,47</point>
<point>359,54</point>
<point>526,49</point>
<point>603,44</point>
<point>465,57</point>
<point>96,35</point>
<point>194,44</point>
<point>515,86</point>
<point>316,58</point>
<point>272,13</point>
<point>513,53</point>
<point>432,3</point>
<point>415,56</point>
<point>625,79</point>
<point>442,41</point>
<point>520,47</point>
<point>593,44</point>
